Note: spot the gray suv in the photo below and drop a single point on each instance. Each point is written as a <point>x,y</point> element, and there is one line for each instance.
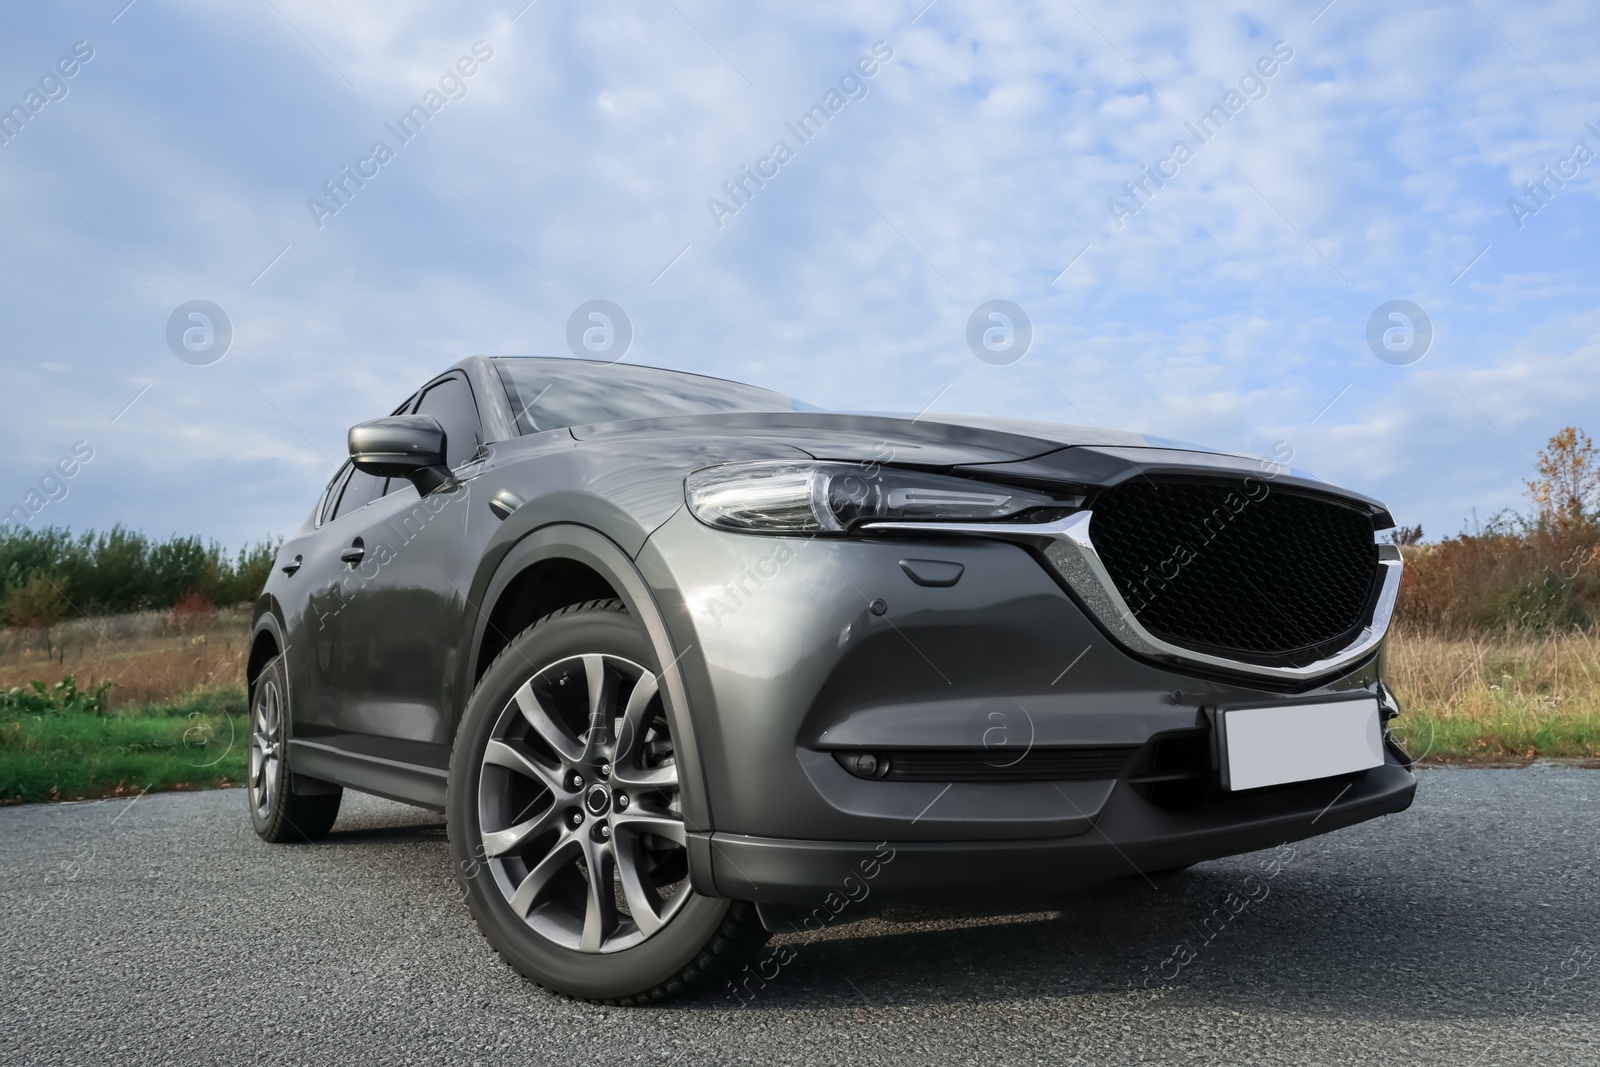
<point>685,661</point>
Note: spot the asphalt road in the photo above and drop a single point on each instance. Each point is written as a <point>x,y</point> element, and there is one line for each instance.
<point>1463,932</point>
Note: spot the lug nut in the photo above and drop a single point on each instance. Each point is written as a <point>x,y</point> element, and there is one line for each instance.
<point>576,819</point>
<point>575,781</point>
<point>622,801</point>
<point>605,770</point>
<point>605,831</point>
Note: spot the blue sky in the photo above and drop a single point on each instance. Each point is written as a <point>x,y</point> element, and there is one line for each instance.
<point>978,162</point>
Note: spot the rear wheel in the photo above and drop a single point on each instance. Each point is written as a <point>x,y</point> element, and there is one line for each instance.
<point>566,819</point>
<point>277,812</point>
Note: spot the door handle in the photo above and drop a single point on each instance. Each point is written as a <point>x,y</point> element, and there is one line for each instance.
<point>292,566</point>
<point>354,553</point>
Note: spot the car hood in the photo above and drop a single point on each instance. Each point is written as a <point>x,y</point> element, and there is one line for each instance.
<point>927,440</point>
<point>1019,451</point>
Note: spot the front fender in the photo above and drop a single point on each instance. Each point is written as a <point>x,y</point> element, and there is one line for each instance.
<point>622,527</point>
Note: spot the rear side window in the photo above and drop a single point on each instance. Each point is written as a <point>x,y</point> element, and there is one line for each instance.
<point>330,495</point>
<point>450,401</point>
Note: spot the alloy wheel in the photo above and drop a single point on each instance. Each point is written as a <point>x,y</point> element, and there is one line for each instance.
<point>265,761</point>
<point>579,806</point>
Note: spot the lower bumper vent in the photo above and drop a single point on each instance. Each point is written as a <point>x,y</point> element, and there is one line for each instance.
<point>1066,764</point>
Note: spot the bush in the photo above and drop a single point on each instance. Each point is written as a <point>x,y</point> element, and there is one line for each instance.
<point>1537,579</point>
<point>119,570</point>
<point>63,698</point>
<point>193,611</point>
<point>1537,573</point>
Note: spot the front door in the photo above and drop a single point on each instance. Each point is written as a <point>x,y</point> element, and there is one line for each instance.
<point>410,561</point>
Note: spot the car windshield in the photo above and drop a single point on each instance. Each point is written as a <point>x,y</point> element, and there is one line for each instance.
<point>550,394</point>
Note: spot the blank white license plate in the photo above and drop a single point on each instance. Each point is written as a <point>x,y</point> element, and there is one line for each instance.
<point>1300,742</point>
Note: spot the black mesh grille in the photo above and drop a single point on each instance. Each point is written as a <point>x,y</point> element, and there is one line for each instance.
<point>1240,569</point>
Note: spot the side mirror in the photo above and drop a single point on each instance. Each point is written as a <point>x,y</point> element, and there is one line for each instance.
<point>402,446</point>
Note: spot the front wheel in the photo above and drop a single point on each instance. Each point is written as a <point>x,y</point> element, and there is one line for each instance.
<point>566,821</point>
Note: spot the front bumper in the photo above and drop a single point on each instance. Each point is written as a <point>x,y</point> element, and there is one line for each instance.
<point>794,651</point>
<point>1130,837</point>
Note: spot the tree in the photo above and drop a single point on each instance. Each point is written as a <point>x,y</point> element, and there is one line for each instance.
<point>1567,492</point>
<point>1406,535</point>
<point>36,604</point>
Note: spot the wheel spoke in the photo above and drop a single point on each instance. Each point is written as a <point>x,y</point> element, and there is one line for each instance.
<point>602,699</point>
<point>633,726</point>
<point>600,909</point>
<point>501,754</point>
<point>529,888</point>
<point>643,822</point>
<point>545,725</point>
<point>662,777</point>
<point>499,842</point>
<point>641,902</point>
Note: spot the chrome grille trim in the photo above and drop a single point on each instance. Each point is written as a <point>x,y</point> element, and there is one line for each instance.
<point>1067,546</point>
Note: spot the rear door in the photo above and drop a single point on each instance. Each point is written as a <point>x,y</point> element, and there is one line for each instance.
<point>316,572</point>
<point>403,605</point>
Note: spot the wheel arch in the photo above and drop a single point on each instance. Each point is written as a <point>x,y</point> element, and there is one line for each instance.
<point>545,585</point>
<point>266,641</point>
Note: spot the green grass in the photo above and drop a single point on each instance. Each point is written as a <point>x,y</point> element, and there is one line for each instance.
<point>1515,730</point>
<point>200,743</point>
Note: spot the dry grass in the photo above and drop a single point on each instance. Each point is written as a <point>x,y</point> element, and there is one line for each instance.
<point>1497,697</point>
<point>149,657</point>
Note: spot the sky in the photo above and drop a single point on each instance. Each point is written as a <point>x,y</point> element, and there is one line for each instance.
<point>1237,292</point>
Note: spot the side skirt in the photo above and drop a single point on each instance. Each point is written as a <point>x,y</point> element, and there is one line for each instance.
<point>391,779</point>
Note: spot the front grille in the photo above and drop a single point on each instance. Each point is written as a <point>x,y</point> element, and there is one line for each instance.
<point>1241,570</point>
<point>1066,764</point>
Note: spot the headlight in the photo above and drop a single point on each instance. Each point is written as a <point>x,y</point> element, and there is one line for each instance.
<point>786,497</point>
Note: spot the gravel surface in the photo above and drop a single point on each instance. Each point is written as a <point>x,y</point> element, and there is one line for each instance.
<point>1465,931</point>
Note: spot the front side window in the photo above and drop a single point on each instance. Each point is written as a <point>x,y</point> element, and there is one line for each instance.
<point>551,394</point>
<point>450,401</point>
<point>351,489</point>
<point>359,490</point>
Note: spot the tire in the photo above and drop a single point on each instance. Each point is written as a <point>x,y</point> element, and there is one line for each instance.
<point>535,806</point>
<point>277,812</point>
